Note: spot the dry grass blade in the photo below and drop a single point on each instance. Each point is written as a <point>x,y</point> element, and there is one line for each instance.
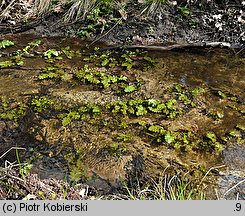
<point>78,9</point>
<point>41,6</point>
<point>233,187</point>
<point>5,11</point>
<point>212,168</point>
<point>12,148</point>
<point>155,7</point>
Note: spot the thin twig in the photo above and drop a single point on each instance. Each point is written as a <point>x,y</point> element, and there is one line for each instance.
<point>106,32</point>
<point>212,168</point>
<point>233,187</point>
<point>12,148</point>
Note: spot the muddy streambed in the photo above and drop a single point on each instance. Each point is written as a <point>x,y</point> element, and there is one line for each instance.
<point>124,115</point>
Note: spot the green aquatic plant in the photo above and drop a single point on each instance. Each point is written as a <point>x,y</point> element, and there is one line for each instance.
<point>221,94</point>
<point>116,149</point>
<point>6,43</point>
<point>31,46</point>
<point>79,113</point>
<point>184,141</point>
<point>187,96</point>
<point>70,53</point>
<point>104,59</point>
<point>162,135</point>
<point>234,134</point>
<point>123,137</point>
<point>240,127</point>
<point>48,73</point>
<point>6,64</point>
<point>130,88</point>
<point>52,72</point>
<point>157,129</point>
<point>76,164</point>
<point>140,110</point>
<point>211,136</point>
<point>226,95</point>
<point>11,110</point>
<point>211,142</point>
<point>107,60</point>
<point>71,116</point>
<point>40,104</point>
<point>215,114</point>
<point>125,59</point>
<point>184,11</point>
<point>169,137</point>
<point>14,61</point>
<point>100,78</point>
<point>52,55</point>
<point>140,107</point>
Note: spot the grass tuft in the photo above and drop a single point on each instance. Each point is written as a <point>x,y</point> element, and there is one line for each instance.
<point>167,188</point>
<point>155,7</point>
<point>42,6</point>
<point>78,10</point>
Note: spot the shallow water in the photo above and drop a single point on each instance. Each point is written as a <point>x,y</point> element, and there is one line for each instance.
<point>213,69</point>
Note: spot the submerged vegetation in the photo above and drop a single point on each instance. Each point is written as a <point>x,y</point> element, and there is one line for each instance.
<point>147,124</point>
<point>116,126</point>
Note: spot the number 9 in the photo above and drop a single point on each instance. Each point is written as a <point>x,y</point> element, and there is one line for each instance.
<point>238,206</point>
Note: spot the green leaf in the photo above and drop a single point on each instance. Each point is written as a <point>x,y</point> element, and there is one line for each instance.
<point>6,64</point>
<point>127,65</point>
<point>240,127</point>
<point>141,110</point>
<point>171,104</point>
<point>153,102</point>
<point>6,43</point>
<point>220,114</point>
<point>156,129</point>
<point>96,109</point>
<point>149,59</point>
<point>106,82</point>
<point>123,78</point>
<point>197,91</point>
<point>222,95</point>
<point>211,136</point>
<point>235,133</point>
<point>20,63</point>
<point>169,138</point>
<point>158,109</point>
<point>105,62</point>
<point>51,53</point>
<point>129,88</point>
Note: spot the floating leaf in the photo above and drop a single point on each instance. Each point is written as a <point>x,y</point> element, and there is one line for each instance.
<point>156,129</point>
<point>222,95</point>
<point>169,138</point>
<point>6,43</point>
<point>140,110</point>
<point>130,88</point>
<point>211,136</point>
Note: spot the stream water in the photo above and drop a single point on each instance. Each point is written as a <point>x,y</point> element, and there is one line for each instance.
<point>107,146</point>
